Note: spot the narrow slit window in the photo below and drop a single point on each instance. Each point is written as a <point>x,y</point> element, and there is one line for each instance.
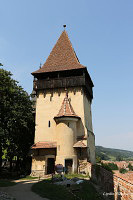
<point>49,123</point>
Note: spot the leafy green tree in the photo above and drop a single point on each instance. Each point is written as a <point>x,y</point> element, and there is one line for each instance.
<point>98,159</point>
<point>130,167</point>
<point>113,166</point>
<point>16,119</point>
<point>122,170</point>
<point>106,166</point>
<point>119,158</point>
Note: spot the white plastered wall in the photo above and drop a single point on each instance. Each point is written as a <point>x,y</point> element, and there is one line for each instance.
<point>89,129</point>
<point>48,107</point>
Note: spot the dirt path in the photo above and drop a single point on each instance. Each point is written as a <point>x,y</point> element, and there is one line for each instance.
<point>22,190</point>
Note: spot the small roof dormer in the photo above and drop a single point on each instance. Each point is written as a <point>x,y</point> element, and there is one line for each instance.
<point>66,110</point>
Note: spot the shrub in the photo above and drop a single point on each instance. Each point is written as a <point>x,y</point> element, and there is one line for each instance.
<point>113,166</point>
<point>98,159</point>
<point>130,167</point>
<point>106,166</point>
<point>122,170</point>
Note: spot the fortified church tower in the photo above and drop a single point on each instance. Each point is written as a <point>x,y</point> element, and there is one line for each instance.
<point>63,132</point>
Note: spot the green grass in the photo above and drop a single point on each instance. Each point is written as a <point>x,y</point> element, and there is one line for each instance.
<point>69,176</point>
<point>87,192</point>
<point>84,191</point>
<point>6,183</point>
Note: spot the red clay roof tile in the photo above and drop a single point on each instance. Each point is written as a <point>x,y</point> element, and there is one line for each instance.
<point>42,145</point>
<point>62,57</point>
<point>66,109</point>
<point>80,144</point>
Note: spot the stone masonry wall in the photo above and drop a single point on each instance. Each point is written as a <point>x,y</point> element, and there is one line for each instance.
<point>113,186</point>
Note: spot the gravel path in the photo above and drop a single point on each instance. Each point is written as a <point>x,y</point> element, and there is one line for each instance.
<point>20,191</point>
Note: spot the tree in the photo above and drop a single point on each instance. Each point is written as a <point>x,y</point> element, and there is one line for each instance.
<point>98,159</point>
<point>122,170</point>
<point>130,167</point>
<point>16,119</point>
<point>113,166</point>
<point>119,157</point>
<point>106,166</point>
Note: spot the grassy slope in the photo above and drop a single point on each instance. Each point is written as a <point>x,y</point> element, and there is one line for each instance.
<point>113,154</point>
<point>56,192</point>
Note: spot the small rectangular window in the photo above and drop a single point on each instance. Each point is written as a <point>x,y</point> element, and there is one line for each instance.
<point>49,124</point>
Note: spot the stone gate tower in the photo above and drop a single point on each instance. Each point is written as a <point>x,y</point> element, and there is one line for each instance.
<point>63,132</point>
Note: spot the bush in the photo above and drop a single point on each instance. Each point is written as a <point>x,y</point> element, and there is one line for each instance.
<point>130,167</point>
<point>106,166</point>
<point>98,159</point>
<point>113,166</point>
<point>122,170</point>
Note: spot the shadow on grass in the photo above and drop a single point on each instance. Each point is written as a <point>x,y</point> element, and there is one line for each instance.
<point>84,191</point>
<point>6,183</point>
<point>28,178</point>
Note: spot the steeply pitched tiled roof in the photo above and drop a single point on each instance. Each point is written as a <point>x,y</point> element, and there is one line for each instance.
<point>42,145</point>
<point>80,144</point>
<point>62,57</point>
<point>66,109</point>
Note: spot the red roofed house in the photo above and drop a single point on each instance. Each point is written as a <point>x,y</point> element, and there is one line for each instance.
<point>63,132</point>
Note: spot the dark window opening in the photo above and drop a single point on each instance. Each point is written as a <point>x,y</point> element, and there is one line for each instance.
<point>80,152</point>
<point>68,124</point>
<point>68,165</point>
<point>49,124</point>
<point>50,165</point>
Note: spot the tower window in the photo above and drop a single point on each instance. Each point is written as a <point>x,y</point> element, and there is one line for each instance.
<point>68,124</point>
<point>49,124</point>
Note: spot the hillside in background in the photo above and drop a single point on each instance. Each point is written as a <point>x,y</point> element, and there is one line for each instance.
<point>113,154</point>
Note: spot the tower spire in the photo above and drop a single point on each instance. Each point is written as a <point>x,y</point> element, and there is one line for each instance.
<point>62,57</point>
<point>64,26</point>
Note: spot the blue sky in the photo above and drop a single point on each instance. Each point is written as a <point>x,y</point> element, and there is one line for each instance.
<point>101,32</point>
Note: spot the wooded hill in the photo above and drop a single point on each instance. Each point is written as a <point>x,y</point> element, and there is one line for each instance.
<point>113,154</point>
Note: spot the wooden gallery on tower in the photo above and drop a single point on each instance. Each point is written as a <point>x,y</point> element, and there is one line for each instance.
<point>63,119</point>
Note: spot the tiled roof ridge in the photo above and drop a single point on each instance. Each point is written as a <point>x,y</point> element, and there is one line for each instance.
<point>44,144</point>
<point>66,34</point>
<point>62,56</point>
<point>80,143</point>
<point>66,109</point>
